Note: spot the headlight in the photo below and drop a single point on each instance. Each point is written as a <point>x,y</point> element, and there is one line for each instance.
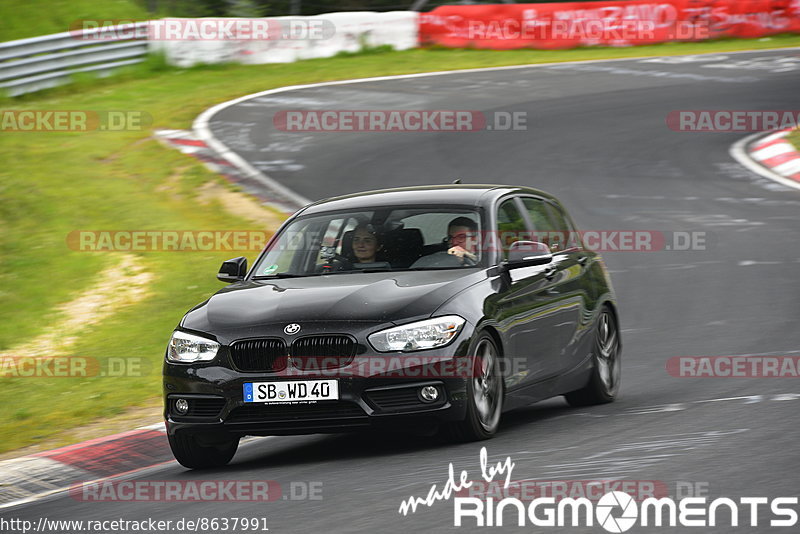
<point>187,348</point>
<point>421,335</point>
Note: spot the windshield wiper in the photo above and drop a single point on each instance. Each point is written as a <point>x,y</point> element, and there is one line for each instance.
<point>406,269</point>
<point>282,275</point>
<point>353,271</point>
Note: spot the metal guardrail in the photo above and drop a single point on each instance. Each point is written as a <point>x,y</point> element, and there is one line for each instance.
<point>30,65</point>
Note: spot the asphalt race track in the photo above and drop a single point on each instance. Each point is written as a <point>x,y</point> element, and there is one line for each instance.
<point>597,138</point>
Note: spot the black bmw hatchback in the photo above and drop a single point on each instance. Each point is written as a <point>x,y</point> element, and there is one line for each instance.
<point>429,308</point>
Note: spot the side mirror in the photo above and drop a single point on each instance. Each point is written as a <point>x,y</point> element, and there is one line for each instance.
<point>233,270</point>
<point>527,254</point>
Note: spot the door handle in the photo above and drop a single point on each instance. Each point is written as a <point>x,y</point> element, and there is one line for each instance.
<point>583,260</point>
<point>550,272</point>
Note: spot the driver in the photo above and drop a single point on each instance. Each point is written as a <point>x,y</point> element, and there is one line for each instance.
<point>366,243</point>
<point>461,239</point>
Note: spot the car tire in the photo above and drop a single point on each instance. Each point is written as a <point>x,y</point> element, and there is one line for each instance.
<point>603,384</point>
<point>485,394</point>
<point>194,455</point>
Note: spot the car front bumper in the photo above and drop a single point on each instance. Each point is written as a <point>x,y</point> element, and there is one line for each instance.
<point>375,390</point>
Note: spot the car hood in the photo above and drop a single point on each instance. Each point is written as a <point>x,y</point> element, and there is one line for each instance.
<point>363,297</point>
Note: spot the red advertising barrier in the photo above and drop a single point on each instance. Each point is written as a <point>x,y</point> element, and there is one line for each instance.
<point>572,24</point>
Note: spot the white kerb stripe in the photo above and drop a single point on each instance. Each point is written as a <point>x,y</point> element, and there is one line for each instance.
<point>773,137</point>
<point>772,151</point>
<point>788,168</point>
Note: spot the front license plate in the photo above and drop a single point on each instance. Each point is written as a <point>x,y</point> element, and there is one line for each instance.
<point>296,390</point>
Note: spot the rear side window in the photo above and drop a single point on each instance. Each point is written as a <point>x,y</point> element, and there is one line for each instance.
<point>566,233</point>
<point>550,226</point>
<point>510,225</point>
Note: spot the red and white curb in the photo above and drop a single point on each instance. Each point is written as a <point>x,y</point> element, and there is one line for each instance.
<point>188,143</point>
<point>771,156</point>
<point>778,154</point>
<point>37,476</point>
<point>33,477</point>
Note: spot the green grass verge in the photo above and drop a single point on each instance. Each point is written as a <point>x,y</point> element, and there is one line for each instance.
<point>794,138</point>
<point>73,182</point>
<point>53,183</point>
<point>42,17</point>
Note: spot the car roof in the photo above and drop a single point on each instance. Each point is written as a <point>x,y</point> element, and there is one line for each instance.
<point>451,194</point>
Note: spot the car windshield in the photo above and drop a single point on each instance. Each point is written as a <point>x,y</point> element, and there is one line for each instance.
<point>385,239</point>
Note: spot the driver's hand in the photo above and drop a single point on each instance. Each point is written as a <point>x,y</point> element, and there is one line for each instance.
<point>461,253</point>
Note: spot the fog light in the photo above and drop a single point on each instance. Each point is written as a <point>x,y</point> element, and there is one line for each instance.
<point>182,406</point>
<point>429,393</point>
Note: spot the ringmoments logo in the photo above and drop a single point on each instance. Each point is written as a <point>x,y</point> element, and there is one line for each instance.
<point>615,511</point>
<point>618,511</point>
<point>616,500</point>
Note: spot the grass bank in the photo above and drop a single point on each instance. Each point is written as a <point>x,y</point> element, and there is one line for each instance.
<point>42,17</point>
<point>794,138</point>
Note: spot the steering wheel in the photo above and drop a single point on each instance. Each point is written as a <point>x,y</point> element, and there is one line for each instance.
<point>337,263</point>
<point>469,262</point>
<point>465,260</point>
